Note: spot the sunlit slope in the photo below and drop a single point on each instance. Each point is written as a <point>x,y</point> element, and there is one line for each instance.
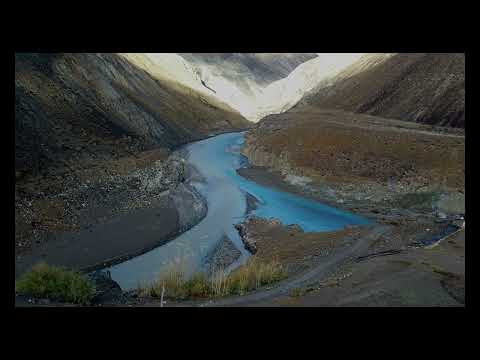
<point>281,95</point>
<point>426,88</point>
<point>240,78</point>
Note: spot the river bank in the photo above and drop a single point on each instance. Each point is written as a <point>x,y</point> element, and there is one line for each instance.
<point>398,231</point>
<point>111,219</point>
<point>394,173</point>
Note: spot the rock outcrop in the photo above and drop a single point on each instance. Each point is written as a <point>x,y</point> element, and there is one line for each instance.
<point>190,205</point>
<point>107,291</point>
<point>248,238</point>
<point>222,255</point>
<point>248,241</point>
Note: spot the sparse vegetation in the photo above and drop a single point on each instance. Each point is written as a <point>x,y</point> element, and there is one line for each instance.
<point>338,150</point>
<point>419,199</point>
<point>250,276</point>
<point>297,292</point>
<point>441,271</point>
<point>56,283</point>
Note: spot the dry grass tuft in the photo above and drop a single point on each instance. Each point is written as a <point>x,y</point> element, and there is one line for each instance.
<point>250,276</point>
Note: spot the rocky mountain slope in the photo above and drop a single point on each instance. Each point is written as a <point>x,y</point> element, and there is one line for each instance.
<point>419,87</point>
<point>94,135</point>
<point>239,78</point>
<point>75,107</point>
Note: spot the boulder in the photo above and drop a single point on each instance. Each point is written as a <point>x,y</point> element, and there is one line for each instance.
<point>191,206</point>
<point>248,241</point>
<point>441,215</point>
<point>294,227</point>
<point>106,289</point>
<point>222,255</point>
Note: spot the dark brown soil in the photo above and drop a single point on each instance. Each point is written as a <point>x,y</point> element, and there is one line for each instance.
<point>294,248</point>
<point>346,148</point>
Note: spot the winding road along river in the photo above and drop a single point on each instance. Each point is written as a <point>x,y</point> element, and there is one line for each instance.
<point>216,159</point>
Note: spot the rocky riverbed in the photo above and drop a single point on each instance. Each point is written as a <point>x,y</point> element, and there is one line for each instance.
<point>86,211</point>
<point>408,221</point>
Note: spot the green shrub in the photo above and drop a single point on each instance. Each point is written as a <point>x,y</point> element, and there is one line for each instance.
<point>56,283</point>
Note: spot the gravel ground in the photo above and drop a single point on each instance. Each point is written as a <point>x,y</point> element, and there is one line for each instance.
<point>105,220</point>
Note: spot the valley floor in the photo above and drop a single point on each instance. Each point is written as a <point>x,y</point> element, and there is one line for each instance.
<point>407,177</point>
<point>400,265</point>
<point>394,262</point>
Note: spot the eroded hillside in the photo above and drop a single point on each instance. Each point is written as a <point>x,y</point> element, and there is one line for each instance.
<point>75,107</point>
<point>419,87</point>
